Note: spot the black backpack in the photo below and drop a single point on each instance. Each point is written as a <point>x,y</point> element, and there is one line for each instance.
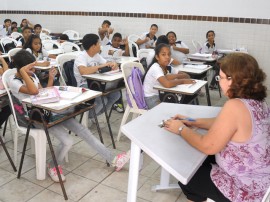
<point>9,46</point>
<point>69,73</point>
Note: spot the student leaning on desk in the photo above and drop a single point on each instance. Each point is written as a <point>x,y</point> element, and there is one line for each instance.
<point>25,83</point>
<point>238,139</point>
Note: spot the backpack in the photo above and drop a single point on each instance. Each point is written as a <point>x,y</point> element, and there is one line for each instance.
<point>69,73</point>
<point>136,87</point>
<point>9,46</point>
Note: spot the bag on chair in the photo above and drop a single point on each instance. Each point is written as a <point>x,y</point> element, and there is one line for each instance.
<point>136,87</point>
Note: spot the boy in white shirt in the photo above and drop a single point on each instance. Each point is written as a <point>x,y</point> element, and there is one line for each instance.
<point>89,61</point>
<point>104,32</point>
<point>4,29</point>
<point>147,40</point>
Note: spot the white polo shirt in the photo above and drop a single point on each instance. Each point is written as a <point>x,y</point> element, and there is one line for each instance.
<point>150,43</point>
<point>177,54</point>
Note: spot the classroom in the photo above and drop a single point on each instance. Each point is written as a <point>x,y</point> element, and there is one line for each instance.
<point>106,156</point>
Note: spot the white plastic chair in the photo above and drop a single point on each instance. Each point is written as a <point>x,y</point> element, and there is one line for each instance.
<point>126,71</point>
<point>266,197</point>
<point>130,45</point>
<point>197,45</point>
<point>44,30</point>
<point>72,34</point>
<point>44,36</point>
<point>15,35</point>
<point>133,37</point>
<point>12,52</point>
<point>143,53</point>
<point>38,135</point>
<point>49,44</point>
<point>68,47</point>
<point>7,40</point>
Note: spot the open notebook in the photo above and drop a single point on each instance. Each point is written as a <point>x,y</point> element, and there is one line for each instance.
<point>69,92</point>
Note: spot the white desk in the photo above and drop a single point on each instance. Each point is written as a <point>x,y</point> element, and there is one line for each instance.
<point>52,64</point>
<point>123,59</point>
<point>170,151</point>
<point>203,57</point>
<point>55,51</point>
<point>105,77</point>
<point>229,51</point>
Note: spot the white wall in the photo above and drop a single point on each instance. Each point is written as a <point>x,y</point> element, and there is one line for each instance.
<point>232,8</point>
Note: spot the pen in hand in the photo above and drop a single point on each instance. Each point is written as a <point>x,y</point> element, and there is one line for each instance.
<point>186,119</point>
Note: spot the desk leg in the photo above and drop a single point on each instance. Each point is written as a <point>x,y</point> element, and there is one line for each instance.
<point>133,173</point>
<point>6,151</point>
<point>108,122</point>
<point>207,94</point>
<point>165,182</point>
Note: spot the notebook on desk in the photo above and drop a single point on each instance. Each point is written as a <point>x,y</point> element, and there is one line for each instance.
<point>45,95</point>
<point>69,92</point>
<point>201,67</point>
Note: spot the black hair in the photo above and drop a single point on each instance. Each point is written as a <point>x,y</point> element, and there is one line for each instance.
<point>154,25</point>
<point>89,40</point>
<point>162,39</point>
<point>22,21</point>
<point>28,43</point>
<point>7,20</point>
<point>210,32</point>
<point>13,23</point>
<point>157,51</point>
<point>22,58</point>
<point>171,32</point>
<point>117,35</point>
<point>27,28</point>
<point>37,25</point>
<point>107,22</point>
<point>64,37</point>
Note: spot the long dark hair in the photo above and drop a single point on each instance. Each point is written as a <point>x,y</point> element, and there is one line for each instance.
<point>28,43</point>
<point>157,51</point>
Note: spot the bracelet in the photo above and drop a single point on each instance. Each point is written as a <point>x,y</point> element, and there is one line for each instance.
<point>181,128</point>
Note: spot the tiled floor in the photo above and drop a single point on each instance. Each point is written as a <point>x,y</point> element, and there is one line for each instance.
<point>87,176</point>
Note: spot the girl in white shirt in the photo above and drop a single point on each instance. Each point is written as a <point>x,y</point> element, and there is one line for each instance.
<point>158,74</point>
<point>209,46</point>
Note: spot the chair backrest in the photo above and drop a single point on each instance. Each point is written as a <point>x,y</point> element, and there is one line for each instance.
<point>5,77</point>
<point>50,44</point>
<point>15,35</point>
<point>136,101</point>
<point>197,45</point>
<point>133,37</point>
<point>266,197</point>
<point>143,53</point>
<point>60,60</point>
<point>44,36</point>
<point>12,52</point>
<point>68,47</point>
<point>133,48</point>
<point>72,34</point>
<point>7,40</point>
<point>44,30</point>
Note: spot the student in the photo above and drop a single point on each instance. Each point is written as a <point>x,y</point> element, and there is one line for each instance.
<point>4,29</point>
<point>25,83</point>
<point>89,61</point>
<point>13,29</point>
<point>13,26</point>
<point>178,48</point>
<point>158,74</point>
<point>237,140</point>
<point>114,48</point>
<point>151,54</point>
<point>27,32</point>
<point>209,46</point>
<point>24,23</point>
<point>147,40</point>
<point>4,111</point>
<point>104,32</point>
<point>63,38</point>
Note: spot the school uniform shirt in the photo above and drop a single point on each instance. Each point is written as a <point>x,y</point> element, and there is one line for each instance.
<point>151,79</point>
<point>83,59</point>
<point>208,49</point>
<point>16,83</point>
<point>150,43</point>
<point>3,31</point>
<point>105,51</point>
<point>40,56</point>
<point>177,54</point>
<point>151,56</point>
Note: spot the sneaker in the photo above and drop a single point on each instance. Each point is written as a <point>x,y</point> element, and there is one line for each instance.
<point>53,174</point>
<point>120,160</point>
<point>118,107</point>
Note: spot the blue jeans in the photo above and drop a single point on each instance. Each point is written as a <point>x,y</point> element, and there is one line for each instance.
<point>66,141</point>
<point>152,101</point>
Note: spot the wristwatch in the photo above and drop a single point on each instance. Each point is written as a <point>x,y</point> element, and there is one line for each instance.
<point>181,128</point>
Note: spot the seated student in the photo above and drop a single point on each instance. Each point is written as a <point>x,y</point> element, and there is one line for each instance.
<point>237,141</point>
<point>151,54</point>
<point>158,74</point>
<point>178,48</point>
<point>34,46</point>
<point>114,48</point>
<point>38,30</point>
<point>63,38</point>
<point>25,83</point>
<point>14,29</point>
<point>147,40</point>
<point>4,29</point>
<point>27,32</point>
<point>13,25</point>
<point>104,32</point>
<point>4,111</point>
<point>25,23</point>
<point>89,61</point>
<point>209,46</point>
